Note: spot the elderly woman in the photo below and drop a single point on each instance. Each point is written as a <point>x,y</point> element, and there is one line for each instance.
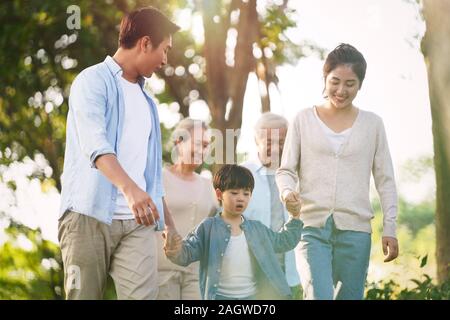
<point>190,198</point>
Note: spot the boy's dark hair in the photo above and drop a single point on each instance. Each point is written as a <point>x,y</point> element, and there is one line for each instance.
<point>232,176</point>
<point>147,21</point>
<point>346,54</point>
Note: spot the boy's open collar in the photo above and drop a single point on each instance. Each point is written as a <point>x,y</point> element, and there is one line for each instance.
<point>242,225</point>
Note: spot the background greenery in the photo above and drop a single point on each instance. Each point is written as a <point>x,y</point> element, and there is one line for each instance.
<point>39,58</point>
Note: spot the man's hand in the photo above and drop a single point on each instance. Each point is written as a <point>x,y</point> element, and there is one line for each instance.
<point>390,248</point>
<point>172,242</point>
<point>293,203</point>
<point>141,204</point>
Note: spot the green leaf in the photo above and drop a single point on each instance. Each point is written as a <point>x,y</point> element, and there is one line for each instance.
<point>424,260</point>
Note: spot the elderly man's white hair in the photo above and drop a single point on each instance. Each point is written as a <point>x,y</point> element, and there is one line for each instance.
<point>269,120</point>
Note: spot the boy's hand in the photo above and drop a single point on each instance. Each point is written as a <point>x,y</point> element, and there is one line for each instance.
<point>172,242</point>
<point>390,248</point>
<point>293,203</point>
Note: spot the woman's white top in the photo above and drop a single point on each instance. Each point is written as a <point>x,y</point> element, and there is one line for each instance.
<point>336,139</point>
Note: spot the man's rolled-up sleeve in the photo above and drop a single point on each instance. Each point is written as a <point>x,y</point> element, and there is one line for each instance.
<point>88,103</point>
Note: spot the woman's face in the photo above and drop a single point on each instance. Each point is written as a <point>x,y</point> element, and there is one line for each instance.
<point>341,86</point>
<point>193,150</point>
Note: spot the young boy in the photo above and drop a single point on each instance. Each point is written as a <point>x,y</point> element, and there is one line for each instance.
<point>237,256</point>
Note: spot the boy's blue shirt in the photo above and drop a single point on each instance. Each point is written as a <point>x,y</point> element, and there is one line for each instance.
<point>259,208</point>
<point>208,242</point>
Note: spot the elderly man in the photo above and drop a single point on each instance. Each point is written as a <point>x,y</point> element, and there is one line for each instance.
<point>265,205</point>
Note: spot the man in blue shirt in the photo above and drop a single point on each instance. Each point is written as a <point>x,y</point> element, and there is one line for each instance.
<point>112,194</point>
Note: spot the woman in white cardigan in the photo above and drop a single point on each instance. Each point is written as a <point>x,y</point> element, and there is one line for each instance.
<point>329,155</point>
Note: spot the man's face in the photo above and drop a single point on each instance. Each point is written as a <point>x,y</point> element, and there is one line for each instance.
<point>270,143</point>
<point>151,58</point>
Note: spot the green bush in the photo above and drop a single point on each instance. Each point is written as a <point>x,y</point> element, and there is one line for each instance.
<point>30,266</point>
<point>424,288</point>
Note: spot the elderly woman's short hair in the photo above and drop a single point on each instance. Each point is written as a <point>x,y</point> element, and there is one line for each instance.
<point>184,128</point>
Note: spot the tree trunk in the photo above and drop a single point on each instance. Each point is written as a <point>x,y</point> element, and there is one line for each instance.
<point>436,50</point>
<point>263,75</point>
<point>226,85</point>
<point>214,53</point>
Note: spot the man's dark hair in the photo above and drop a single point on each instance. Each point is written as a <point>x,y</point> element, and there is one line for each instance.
<point>147,21</point>
<point>232,176</point>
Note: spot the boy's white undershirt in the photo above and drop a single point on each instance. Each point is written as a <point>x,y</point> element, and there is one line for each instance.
<point>237,279</point>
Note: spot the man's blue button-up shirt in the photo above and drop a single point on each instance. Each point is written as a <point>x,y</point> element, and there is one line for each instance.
<point>94,128</point>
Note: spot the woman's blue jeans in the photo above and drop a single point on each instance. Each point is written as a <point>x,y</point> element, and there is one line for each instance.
<point>333,263</point>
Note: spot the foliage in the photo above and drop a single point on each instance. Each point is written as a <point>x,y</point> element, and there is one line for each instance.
<point>424,288</point>
<point>30,267</point>
<point>416,237</point>
<point>40,56</point>
<point>416,217</point>
<point>297,292</point>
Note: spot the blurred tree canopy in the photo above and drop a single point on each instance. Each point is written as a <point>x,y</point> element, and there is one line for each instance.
<point>40,56</point>
<point>37,56</point>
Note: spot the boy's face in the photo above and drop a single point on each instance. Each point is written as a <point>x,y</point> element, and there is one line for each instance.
<point>234,201</point>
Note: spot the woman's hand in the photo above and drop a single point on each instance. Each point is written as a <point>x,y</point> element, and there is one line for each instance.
<point>390,248</point>
<point>293,203</point>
